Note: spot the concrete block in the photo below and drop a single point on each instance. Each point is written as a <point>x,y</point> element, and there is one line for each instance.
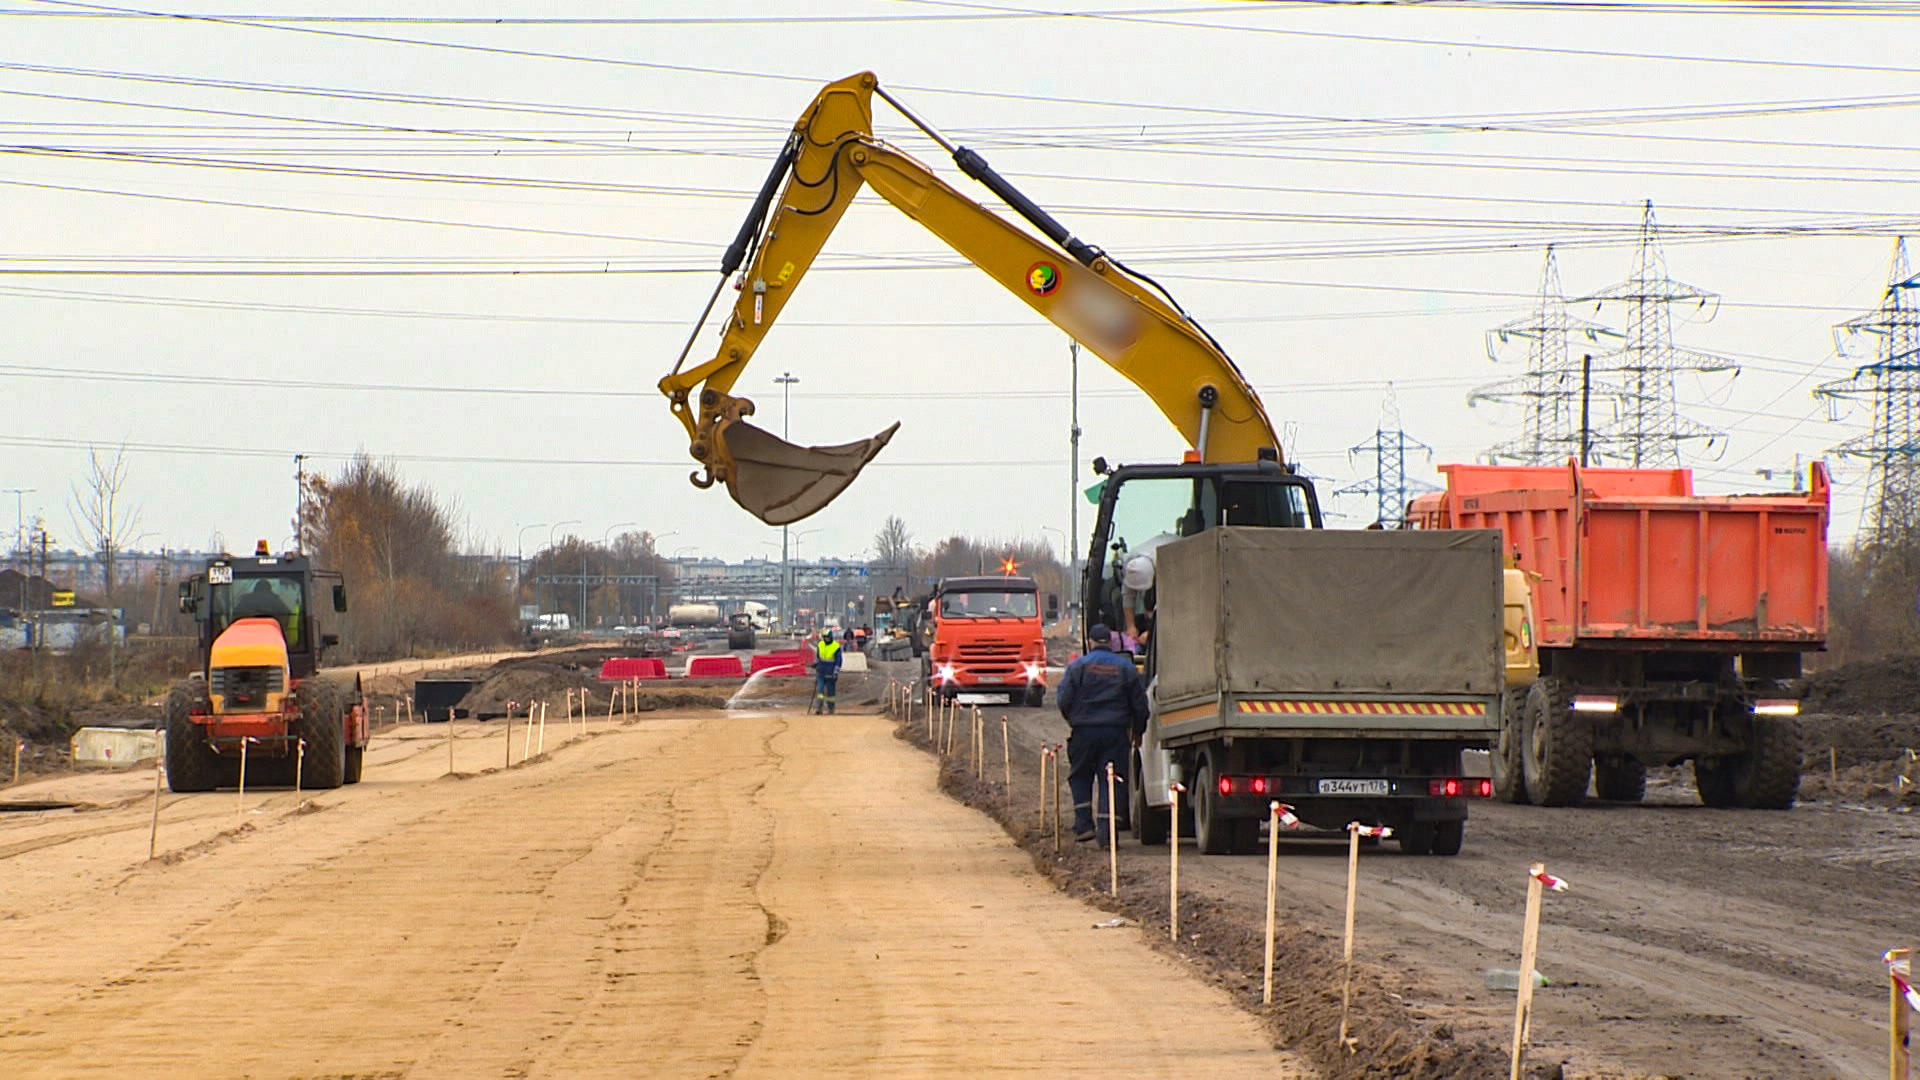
<point>115,747</point>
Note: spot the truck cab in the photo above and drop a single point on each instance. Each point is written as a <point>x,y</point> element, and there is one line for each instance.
<point>986,638</point>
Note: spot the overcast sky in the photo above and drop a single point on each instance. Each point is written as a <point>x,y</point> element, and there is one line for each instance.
<point>1236,152</point>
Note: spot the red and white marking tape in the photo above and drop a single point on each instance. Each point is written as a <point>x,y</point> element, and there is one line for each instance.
<point>1287,820</point>
<point>1380,831</point>
<point>1901,980</point>
<point>1551,882</point>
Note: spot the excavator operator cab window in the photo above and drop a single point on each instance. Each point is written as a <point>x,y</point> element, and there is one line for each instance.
<point>1151,511</point>
<point>1264,503</point>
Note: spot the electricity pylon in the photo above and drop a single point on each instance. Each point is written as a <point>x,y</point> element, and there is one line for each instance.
<point>1555,394</point>
<point>1890,383</point>
<point>1391,489</point>
<point>1648,429</point>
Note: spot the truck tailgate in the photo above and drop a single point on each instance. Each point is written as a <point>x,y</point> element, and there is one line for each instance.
<point>1321,629</point>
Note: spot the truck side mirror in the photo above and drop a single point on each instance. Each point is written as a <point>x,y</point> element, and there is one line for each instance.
<point>186,598</point>
<point>1053,607</point>
<point>339,598</point>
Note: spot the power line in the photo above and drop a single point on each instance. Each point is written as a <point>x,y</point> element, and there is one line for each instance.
<point>65,442</point>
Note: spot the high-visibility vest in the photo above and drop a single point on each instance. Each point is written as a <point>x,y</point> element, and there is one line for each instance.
<point>827,650</point>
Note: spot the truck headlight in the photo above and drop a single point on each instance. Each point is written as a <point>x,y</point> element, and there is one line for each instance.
<point>1035,672</point>
<point>944,673</point>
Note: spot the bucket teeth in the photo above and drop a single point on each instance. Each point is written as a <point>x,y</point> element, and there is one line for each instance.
<point>781,483</point>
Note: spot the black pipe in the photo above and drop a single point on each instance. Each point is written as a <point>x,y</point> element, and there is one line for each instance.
<point>750,228</point>
<point>976,166</point>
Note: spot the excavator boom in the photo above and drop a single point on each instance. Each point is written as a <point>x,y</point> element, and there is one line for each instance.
<point>1117,315</point>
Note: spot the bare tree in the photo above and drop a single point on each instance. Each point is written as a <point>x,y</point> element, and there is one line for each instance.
<point>103,521</point>
<point>893,544</point>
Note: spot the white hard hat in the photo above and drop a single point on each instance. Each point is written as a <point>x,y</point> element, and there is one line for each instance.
<point>1137,574</point>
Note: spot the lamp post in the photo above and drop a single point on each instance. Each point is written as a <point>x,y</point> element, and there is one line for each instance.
<point>1073,494</point>
<point>551,530</point>
<point>606,541</point>
<point>25,549</point>
<point>786,379</point>
<point>519,556</point>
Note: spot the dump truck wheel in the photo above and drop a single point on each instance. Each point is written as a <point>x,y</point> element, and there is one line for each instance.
<point>1765,777</point>
<point>1557,756</point>
<point>1416,837</point>
<point>1036,696</point>
<point>1509,779</point>
<point>191,763</point>
<point>1448,836</point>
<point>321,725</point>
<point>1149,823</point>
<point>1623,780</point>
<point>356,758</point>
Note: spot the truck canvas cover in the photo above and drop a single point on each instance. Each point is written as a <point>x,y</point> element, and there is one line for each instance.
<point>1299,613</point>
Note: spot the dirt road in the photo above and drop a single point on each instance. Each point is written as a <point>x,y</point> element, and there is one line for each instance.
<point>684,895</point>
<point>1694,942</point>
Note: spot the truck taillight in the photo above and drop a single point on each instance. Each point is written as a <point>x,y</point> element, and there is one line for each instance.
<point>1259,785</point>
<point>1226,785</point>
<point>1453,787</point>
<point>1776,707</point>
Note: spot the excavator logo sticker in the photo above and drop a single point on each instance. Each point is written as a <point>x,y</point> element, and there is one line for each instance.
<point>1043,278</point>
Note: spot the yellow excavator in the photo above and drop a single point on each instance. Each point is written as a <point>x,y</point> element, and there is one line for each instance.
<point>1234,474</point>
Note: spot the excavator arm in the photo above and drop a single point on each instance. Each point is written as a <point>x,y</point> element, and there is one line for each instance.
<point>1114,313</point>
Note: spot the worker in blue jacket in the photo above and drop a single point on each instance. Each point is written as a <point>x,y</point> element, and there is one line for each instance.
<point>1105,701</point>
<point>827,657</point>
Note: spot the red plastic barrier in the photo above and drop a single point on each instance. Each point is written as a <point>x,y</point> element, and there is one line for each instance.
<point>714,667</point>
<point>632,667</point>
<point>794,659</point>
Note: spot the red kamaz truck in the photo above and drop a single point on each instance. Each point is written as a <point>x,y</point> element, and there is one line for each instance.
<point>1671,627</point>
<point>984,637</point>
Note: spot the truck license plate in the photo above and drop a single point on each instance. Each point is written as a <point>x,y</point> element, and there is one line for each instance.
<point>1355,787</point>
<point>219,575</point>
<point>991,678</point>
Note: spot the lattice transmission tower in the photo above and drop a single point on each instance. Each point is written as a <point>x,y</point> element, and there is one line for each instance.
<point>1648,429</point>
<point>1554,393</point>
<point>1890,383</point>
<point>1391,489</point>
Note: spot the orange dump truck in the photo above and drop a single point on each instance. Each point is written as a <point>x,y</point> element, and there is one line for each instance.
<point>987,639</point>
<point>1670,627</point>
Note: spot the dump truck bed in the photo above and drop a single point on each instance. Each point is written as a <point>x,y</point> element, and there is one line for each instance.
<point>1633,556</point>
<point>1273,632</point>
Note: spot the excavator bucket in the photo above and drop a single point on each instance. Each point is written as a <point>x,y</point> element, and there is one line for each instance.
<point>781,483</point>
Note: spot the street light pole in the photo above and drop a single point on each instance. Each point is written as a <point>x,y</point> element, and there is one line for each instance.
<point>25,549</point>
<point>606,541</point>
<point>519,551</point>
<point>555,527</point>
<point>786,379</point>
<point>1073,497</point>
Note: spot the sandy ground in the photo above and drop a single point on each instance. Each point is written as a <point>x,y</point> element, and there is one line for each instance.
<point>1694,942</point>
<point>747,894</point>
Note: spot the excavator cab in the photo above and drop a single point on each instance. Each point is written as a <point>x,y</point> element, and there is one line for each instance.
<point>1145,506</point>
